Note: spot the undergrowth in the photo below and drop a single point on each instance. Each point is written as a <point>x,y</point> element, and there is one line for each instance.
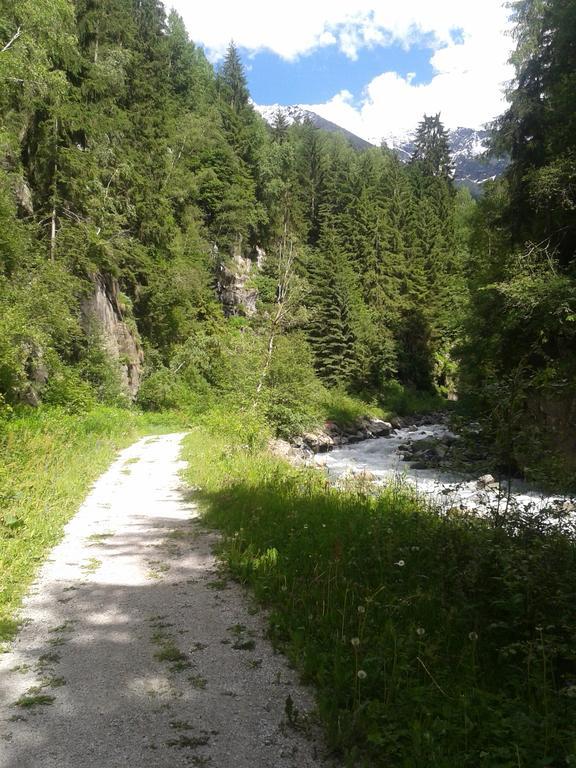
<point>49,460</point>
<point>432,639</point>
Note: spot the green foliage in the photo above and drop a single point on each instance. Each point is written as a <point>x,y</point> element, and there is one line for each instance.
<point>127,156</point>
<point>292,389</point>
<point>519,342</point>
<point>162,391</point>
<point>404,401</point>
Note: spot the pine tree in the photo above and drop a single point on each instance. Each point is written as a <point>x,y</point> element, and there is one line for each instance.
<point>234,87</point>
<point>280,126</point>
<point>432,148</point>
<point>334,305</point>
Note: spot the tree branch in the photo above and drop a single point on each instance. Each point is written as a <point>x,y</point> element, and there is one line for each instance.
<point>12,40</point>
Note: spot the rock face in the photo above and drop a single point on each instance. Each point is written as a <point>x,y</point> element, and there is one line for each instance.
<point>36,372</point>
<point>23,196</point>
<point>101,311</point>
<point>237,297</point>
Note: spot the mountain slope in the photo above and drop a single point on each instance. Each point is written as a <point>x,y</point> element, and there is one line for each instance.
<point>297,114</point>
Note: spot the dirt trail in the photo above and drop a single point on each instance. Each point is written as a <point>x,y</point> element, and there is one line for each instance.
<point>135,652</point>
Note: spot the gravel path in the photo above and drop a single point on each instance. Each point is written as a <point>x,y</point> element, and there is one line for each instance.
<point>136,652</point>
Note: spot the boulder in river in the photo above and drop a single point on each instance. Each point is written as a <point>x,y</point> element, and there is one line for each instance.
<point>318,441</point>
<point>487,481</point>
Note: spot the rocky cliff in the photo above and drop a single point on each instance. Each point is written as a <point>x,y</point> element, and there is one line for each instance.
<point>238,297</point>
<point>102,311</point>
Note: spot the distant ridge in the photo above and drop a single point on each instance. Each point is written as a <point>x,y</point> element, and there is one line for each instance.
<point>298,114</point>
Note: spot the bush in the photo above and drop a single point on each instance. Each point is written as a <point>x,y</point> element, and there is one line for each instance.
<point>402,400</point>
<point>66,388</point>
<point>162,390</point>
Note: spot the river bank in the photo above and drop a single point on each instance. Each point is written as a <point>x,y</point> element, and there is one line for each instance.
<point>450,469</point>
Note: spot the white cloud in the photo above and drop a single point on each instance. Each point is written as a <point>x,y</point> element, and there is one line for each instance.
<point>470,68</point>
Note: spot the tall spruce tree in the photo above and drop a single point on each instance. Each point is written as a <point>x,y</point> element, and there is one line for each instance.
<point>432,148</point>
<point>233,83</point>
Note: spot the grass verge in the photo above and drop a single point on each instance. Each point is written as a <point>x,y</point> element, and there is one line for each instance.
<point>49,460</point>
<point>432,640</point>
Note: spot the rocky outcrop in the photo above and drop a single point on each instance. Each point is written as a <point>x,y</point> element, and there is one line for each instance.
<point>285,450</point>
<point>102,312</point>
<point>23,197</point>
<point>234,290</point>
<point>333,435</point>
<point>36,372</point>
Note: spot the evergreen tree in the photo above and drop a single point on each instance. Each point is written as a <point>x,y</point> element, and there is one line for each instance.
<point>280,126</point>
<point>432,148</point>
<point>334,313</point>
<point>234,87</point>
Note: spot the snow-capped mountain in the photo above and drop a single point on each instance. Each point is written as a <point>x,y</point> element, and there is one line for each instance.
<point>466,144</point>
<point>467,147</point>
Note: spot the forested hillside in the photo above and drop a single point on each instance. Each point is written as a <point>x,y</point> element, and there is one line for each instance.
<point>161,243</point>
<point>139,187</point>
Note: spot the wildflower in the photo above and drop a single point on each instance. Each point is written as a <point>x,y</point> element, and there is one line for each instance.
<point>361,674</point>
<point>400,563</point>
<point>473,636</point>
<point>420,631</point>
<point>284,588</point>
<point>355,642</point>
<point>305,527</point>
<point>361,609</point>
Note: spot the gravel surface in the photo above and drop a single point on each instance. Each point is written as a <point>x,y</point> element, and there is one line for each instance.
<point>136,651</point>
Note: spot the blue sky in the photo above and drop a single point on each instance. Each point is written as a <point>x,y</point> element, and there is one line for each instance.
<point>372,66</point>
<point>317,76</point>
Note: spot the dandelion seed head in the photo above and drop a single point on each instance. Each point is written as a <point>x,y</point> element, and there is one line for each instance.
<point>361,674</point>
<point>355,642</point>
<point>361,609</point>
<point>473,636</point>
<point>420,631</point>
<point>400,563</point>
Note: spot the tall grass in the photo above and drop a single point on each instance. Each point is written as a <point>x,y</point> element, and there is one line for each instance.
<point>48,460</point>
<point>432,639</point>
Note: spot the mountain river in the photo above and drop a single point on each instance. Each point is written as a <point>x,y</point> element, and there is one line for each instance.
<point>381,460</point>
